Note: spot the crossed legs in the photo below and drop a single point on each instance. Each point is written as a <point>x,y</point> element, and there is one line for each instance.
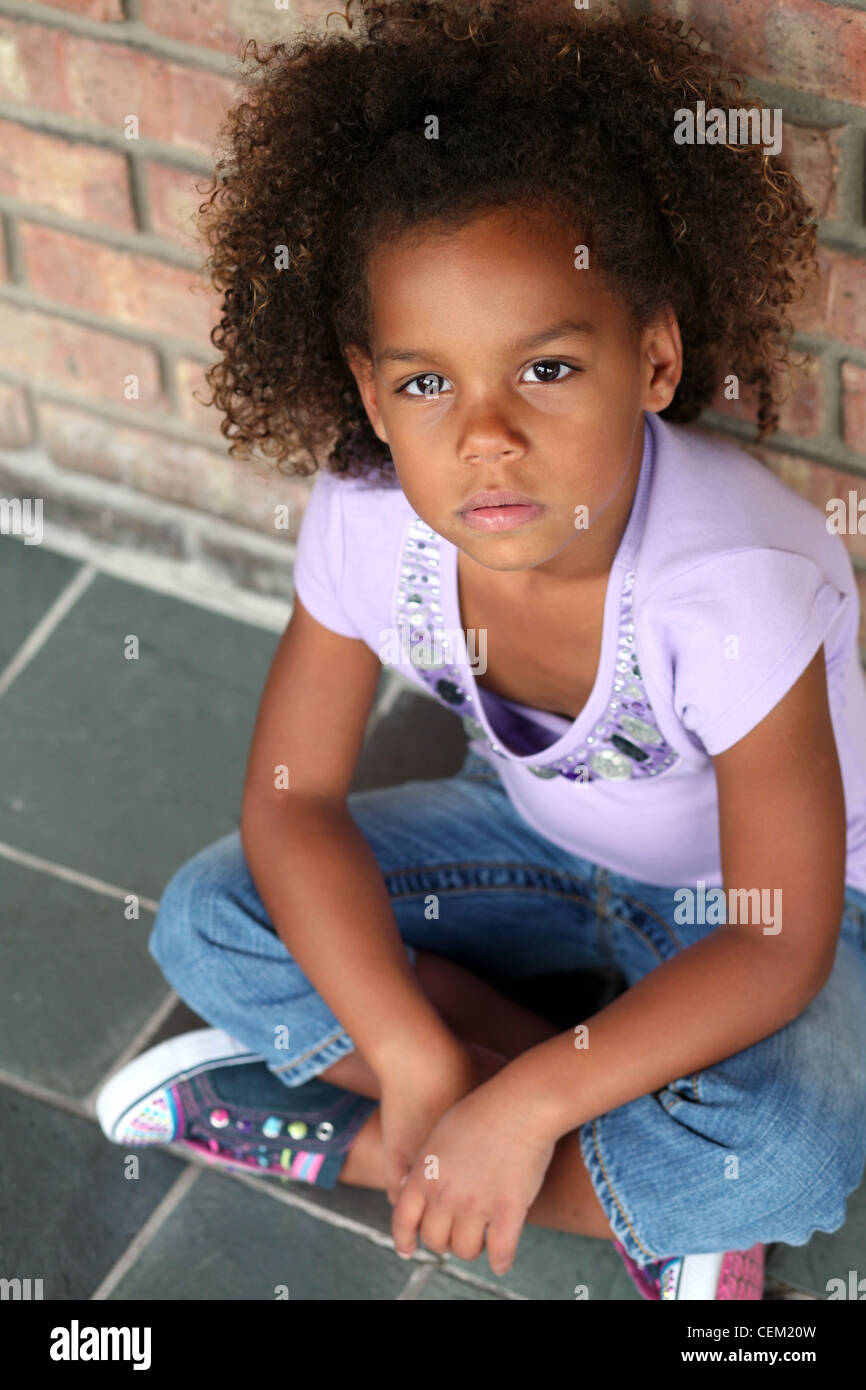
<point>496,1030</point>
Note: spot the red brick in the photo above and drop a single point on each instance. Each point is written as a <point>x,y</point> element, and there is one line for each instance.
<point>225,24</point>
<point>809,314</point>
<point>846,310</point>
<point>805,44</point>
<point>104,11</point>
<point>152,463</point>
<point>14,420</point>
<point>814,157</point>
<point>133,289</point>
<point>174,201</point>
<point>77,180</point>
<point>171,469</point>
<point>105,82</point>
<point>32,63</point>
<point>818,484</point>
<point>803,411</point>
<point>55,352</point>
<point>190,378</point>
<point>854,407</point>
<point>835,303</point>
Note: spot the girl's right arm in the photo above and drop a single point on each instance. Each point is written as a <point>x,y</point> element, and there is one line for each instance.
<point>317,875</point>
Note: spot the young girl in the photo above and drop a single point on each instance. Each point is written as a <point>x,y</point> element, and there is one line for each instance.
<point>470,268</point>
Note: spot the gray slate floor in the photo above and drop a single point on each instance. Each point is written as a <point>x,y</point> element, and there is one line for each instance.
<point>112,774</point>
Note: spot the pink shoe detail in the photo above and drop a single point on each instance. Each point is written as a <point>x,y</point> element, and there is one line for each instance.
<point>645,1278</point>
<point>742,1274</point>
<point>294,1163</point>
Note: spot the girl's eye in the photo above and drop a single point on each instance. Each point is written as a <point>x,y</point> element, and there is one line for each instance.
<point>428,386</point>
<point>550,364</point>
<point>428,381</point>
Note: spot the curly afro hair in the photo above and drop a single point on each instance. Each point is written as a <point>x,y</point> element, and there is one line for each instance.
<point>324,155</point>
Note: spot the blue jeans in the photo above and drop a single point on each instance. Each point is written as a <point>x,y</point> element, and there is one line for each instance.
<point>765,1146</point>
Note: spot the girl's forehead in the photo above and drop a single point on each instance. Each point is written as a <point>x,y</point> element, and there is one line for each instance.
<point>486,228</point>
<point>504,269</point>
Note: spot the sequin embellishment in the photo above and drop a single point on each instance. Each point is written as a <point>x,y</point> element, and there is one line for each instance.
<point>625,744</point>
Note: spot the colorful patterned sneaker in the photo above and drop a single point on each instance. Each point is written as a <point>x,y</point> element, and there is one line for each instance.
<point>208,1093</point>
<point>731,1274</point>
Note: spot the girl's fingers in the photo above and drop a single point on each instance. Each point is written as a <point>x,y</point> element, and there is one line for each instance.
<point>435,1228</point>
<point>503,1235</point>
<point>406,1217</point>
<point>467,1237</point>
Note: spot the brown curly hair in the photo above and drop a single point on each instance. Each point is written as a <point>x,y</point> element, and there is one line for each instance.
<point>325,155</point>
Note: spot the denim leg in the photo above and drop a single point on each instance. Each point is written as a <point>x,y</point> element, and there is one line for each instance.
<point>215,944</point>
<point>468,879</point>
<point>764,1146</point>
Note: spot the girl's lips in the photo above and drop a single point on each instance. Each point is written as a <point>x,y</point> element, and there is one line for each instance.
<point>501,518</point>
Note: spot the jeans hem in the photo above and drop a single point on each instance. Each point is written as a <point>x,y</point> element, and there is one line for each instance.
<point>313,1062</point>
<point>622,1226</point>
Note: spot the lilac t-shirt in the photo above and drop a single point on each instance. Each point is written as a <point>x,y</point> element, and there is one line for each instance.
<point>725,584</point>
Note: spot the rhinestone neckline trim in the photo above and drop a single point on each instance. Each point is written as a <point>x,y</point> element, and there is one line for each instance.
<point>625,744</point>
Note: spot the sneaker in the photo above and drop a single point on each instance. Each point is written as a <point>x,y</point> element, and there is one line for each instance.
<point>731,1274</point>
<point>207,1093</point>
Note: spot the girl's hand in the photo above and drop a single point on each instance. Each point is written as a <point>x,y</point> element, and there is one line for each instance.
<point>478,1172</point>
<point>415,1096</point>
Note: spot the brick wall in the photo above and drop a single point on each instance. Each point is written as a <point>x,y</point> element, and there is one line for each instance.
<point>104,310</point>
<point>808,58</point>
<point>100,277</point>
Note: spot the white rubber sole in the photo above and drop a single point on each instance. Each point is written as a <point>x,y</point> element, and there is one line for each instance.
<point>699,1277</point>
<point>159,1066</point>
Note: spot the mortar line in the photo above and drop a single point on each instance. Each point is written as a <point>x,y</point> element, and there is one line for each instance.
<point>46,625</point>
<point>370,1233</point>
<point>45,1095</point>
<point>154,1223</point>
<point>325,1214</point>
<point>129,34</point>
<point>415,1284</point>
<point>61,871</point>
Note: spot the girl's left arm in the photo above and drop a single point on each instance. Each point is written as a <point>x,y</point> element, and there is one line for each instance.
<point>783,828</point>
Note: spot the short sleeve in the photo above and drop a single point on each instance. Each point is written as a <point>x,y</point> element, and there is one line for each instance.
<point>739,630</point>
<point>318,572</point>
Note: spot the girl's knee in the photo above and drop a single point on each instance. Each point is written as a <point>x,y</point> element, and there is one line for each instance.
<point>174,929</point>
<point>809,1166</point>
<point>176,940</point>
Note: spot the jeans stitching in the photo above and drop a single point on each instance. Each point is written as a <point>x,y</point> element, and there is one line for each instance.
<point>284,1066</point>
<point>481,864</point>
<point>651,912</point>
<point>623,921</point>
<point>693,1080</point>
<point>560,893</point>
<point>613,1194</point>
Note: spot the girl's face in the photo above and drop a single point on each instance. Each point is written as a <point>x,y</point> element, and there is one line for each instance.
<point>499,366</point>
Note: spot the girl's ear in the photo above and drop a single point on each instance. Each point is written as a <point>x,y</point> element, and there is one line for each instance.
<point>361,367</point>
<point>663,366</point>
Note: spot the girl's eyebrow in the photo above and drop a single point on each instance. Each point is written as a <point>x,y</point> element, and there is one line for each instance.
<point>567,328</point>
